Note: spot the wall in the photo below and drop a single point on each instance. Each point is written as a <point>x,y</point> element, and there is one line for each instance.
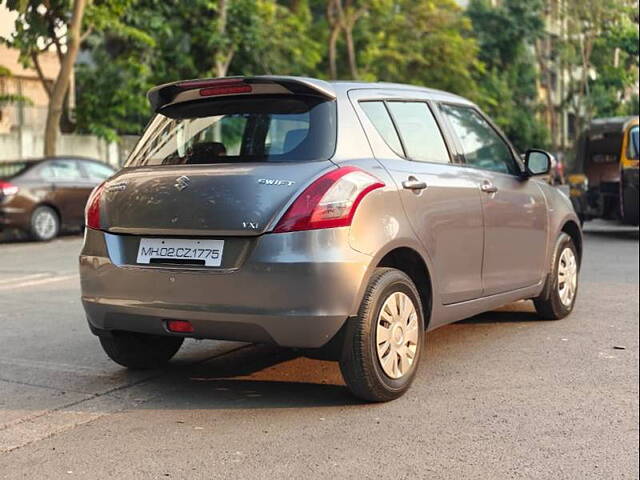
<point>26,143</point>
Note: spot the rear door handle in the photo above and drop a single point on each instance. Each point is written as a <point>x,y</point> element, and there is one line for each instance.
<point>412,183</point>
<point>488,187</point>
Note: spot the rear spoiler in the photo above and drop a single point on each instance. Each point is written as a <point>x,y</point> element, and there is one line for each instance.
<point>186,90</point>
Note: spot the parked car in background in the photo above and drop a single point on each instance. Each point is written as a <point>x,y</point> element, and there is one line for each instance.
<point>605,182</point>
<point>43,196</point>
<point>344,219</point>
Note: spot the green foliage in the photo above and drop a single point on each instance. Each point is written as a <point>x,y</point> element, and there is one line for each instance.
<point>615,58</point>
<point>181,42</point>
<point>423,42</point>
<point>507,88</point>
<point>6,98</point>
<point>484,52</point>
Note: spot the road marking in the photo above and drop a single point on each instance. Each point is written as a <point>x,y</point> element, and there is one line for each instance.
<point>23,277</point>
<point>41,281</point>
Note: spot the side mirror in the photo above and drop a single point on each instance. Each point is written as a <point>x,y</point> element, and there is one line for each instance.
<point>537,162</point>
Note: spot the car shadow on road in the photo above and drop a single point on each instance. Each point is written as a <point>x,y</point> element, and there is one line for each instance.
<point>616,234</point>
<point>268,377</point>
<point>251,377</point>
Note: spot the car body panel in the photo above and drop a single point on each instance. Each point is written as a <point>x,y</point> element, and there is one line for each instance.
<point>223,199</point>
<point>297,287</point>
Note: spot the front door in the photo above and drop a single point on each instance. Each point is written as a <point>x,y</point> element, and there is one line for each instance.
<point>514,209</point>
<point>442,202</point>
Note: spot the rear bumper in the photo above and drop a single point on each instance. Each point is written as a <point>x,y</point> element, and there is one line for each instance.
<point>11,217</point>
<point>294,290</point>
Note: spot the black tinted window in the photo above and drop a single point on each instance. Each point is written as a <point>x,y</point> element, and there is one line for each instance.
<point>252,129</point>
<point>483,148</point>
<point>419,131</point>
<point>379,116</point>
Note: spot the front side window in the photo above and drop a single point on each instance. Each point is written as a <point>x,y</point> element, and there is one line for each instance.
<point>482,146</point>
<point>419,131</point>
<point>634,148</point>
<point>236,130</point>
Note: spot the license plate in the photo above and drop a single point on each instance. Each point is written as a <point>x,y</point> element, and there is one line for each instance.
<point>182,250</point>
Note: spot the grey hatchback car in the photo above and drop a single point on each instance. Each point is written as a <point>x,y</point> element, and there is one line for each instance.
<point>342,219</point>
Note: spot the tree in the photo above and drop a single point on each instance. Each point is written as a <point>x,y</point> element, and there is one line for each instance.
<point>342,16</point>
<point>507,86</point>
<point>164,42</point>
<point>60,25</point>
<point>590,23</point>
<point>423,42</point>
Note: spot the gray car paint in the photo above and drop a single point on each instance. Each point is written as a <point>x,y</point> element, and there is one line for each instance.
<point>297,289</point>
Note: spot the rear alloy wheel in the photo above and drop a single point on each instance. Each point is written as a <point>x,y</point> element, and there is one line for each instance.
<point>45,224</point>
<point>559,295</point>
<point>140,351</point>
<point>384,342</point>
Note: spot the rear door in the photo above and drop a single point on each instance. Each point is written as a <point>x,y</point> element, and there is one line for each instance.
<point>443,205</point>
<point>68,187</point>
<point>515,211</point>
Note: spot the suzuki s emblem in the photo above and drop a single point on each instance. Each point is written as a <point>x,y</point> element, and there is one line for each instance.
<point>182,182</point>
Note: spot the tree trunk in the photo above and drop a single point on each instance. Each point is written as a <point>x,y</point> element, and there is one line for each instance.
<point>333,40</point>
<point>351,52</point>
<point>59,90</point>
<point>333,20</point>
<point>223,58</point>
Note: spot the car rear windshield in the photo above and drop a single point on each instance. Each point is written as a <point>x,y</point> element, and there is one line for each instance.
<point>12,169</point>
<point>236,130</point>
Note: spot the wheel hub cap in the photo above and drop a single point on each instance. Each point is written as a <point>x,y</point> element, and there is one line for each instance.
<point>567,277</point>
<point>397,335</point>
<point>45,224</point>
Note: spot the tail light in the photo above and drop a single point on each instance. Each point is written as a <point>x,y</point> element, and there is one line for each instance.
<point>92,210</point>
<point>179,326</point>
<point>331,201</point>
<point>7,188</point>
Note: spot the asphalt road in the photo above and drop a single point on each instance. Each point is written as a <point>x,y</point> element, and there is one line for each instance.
<point>502,395</point>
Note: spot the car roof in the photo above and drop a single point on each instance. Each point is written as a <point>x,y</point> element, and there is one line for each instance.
<point>346,85</point>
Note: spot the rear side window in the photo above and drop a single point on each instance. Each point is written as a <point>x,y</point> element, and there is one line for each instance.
<point>235,130</point>
<point>419,131</point>
<point>12,169</point>
<point>378,115</point>
<point>97,171</point>
<point>482,146</point>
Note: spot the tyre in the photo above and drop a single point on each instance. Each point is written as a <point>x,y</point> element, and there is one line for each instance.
<point>45,224</point>
<point>384,342</point>
<point>630,205</point>
<point>140,351</point>
<point>559,295</point>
